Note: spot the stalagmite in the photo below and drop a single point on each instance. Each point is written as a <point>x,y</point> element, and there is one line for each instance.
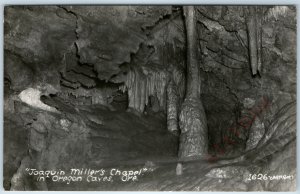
<point>192,120</point>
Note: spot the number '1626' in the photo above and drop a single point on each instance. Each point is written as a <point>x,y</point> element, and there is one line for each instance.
<point>258,177</point>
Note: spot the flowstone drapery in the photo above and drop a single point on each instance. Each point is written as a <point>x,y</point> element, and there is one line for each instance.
<point>141,86</point>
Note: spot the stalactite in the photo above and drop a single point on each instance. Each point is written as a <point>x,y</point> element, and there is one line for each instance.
<point>97,96</point>
<point>172,108</point>
<point>192,119</point>
<point>175,94</point>
<point>259,38</point>
<point>276,12</point>
<point>141,86</point>
<point>179,79</point>
<point>254,38</point>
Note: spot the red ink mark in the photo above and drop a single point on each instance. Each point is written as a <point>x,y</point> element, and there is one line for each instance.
<point>218,149</point>
<point>245,122</point>
<point>229,141</point>
<point>212,159</point>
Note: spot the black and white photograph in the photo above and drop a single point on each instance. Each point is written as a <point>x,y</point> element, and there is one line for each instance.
<point>149,97</point>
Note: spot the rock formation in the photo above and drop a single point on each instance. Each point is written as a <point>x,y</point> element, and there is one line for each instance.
<point>204,92</point>
<point>193,126</point>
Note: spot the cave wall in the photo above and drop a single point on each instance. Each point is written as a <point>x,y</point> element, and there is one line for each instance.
<point>83,55</point>
<point>77,49</point>
<point>226,70</point>
<point>99,54</point>
<point>78,52</point>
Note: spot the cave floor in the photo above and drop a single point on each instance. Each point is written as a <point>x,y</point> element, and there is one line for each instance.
<point>98,138</point>
<point>131,141</point>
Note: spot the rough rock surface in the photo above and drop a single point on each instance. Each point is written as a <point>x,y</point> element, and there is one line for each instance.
<point>109,82</point>
<point>192,119</point>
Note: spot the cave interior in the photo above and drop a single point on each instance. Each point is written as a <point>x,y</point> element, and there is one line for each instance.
<point>204,96</point>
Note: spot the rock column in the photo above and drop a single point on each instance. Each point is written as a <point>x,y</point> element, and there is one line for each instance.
<point>192,119</point>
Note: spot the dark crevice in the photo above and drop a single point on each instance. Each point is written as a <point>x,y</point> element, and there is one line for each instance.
<point>137,100</point>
